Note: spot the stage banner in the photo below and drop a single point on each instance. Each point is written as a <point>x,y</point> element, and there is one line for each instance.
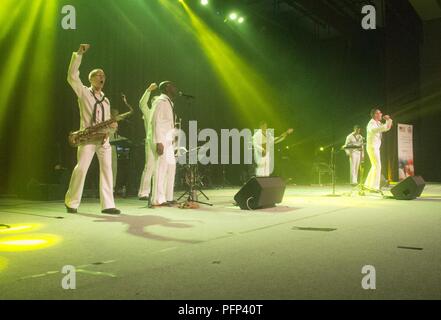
<point>405,151</point>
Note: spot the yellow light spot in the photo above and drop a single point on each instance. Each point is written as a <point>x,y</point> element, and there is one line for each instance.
<point>28,242</point>
<point>23,242</point>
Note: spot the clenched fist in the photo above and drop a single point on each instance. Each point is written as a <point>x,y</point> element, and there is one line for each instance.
<point>152,87</point>
<point>83,48</point>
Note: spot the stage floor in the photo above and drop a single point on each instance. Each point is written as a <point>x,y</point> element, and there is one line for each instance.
<point>309,247</point>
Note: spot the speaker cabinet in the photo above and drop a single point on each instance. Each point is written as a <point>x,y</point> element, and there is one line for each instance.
<point>260,192</point>
<point>44,192</point>
<point>409,189</point>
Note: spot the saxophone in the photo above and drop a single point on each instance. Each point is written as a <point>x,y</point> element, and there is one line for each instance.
<point>99,131</point>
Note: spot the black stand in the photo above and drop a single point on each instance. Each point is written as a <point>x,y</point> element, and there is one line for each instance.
<point>332,165</point>
<point>194,187</point>
<point>225,182</point>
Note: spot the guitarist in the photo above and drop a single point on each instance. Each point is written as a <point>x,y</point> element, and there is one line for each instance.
<point>263,145</point>
<point>94,108</point>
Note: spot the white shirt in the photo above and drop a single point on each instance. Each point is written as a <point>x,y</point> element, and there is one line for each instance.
<point>374,132</point>
<point>86,101</point>
<point>354,140</point>
<point>162,120</point>
<point>260,140</point>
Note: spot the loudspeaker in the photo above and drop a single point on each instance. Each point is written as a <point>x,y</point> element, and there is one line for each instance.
<point>409,189</point>
<point>44,191</point>
<point>260,192</point>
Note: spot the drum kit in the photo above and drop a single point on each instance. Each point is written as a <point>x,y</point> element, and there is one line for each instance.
<point>192,180</point>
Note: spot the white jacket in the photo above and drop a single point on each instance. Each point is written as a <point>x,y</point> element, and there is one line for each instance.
<point>86,101</point>
<point>374,133</point>
<point>354,140</point>
<point>163,124</point>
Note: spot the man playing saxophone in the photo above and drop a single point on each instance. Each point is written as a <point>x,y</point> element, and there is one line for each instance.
<point>94,109</point>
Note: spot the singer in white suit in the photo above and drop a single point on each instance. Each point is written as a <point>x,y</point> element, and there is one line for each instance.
<point>94,108</point>
<point>149,167</point>
<point>375,129</point>
<point>355,151</point>
<point>163,123</point>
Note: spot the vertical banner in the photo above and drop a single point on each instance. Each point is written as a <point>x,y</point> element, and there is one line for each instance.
<point>405,151</point>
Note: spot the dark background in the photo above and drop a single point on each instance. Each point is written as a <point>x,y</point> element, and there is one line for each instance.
<point>323,71</point>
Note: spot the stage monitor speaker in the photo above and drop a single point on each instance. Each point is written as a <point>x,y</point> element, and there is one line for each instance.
<point>260,192</point>
<point>409,189</point>
<point>44,192</point>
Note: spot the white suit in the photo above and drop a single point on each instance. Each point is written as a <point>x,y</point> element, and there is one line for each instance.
<point>264,163</point>
<point>87,101</point>
<point>355,155</point>
<point>113,137</point>
<point>373,143</point>
<point>149,168</point>
<point>164,132</point>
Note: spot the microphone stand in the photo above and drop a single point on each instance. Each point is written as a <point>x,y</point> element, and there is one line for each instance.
<point>193,183</point>
<point>332,165</point>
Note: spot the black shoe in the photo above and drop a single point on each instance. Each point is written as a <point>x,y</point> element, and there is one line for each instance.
<point>111,211</point>
<point>70,210</point>
<point>143,198</point>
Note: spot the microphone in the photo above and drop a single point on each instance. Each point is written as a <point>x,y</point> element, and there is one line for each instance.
<point>189,96</point>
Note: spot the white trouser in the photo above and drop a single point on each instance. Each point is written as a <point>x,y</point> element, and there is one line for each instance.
<point>374,176</point>
<point>263,164</point>
<point>114,165</point>
<point>164,177</point>
<point>354,162</point>
<point>147,174</point>
<point>85,155</point>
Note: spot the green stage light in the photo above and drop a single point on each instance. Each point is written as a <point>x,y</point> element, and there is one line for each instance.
<point>241,20</point>
<point>204,2</point>
<point>38,37</point>
<point>322,149</point>
<point>237,77</point>
<point>233,16</point>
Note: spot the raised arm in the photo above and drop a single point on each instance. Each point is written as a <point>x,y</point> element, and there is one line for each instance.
<point>73,73</point>
<point>143,103</point>
<point>283,136</point>
<point>384,127</point>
